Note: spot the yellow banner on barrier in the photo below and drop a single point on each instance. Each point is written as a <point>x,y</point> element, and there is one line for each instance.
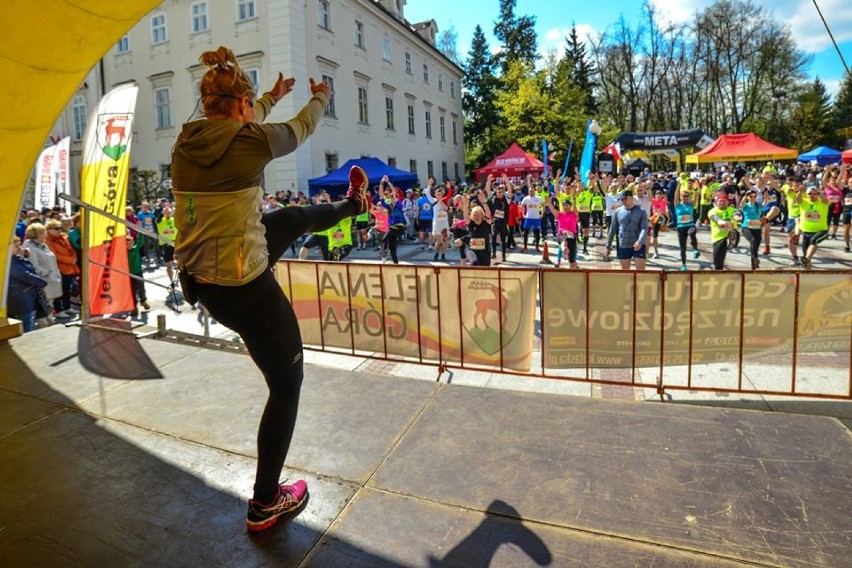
<point>449,315</point>
<point>634,319</point>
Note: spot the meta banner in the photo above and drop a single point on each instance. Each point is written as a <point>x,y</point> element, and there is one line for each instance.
<point>635,319</point>
<point>660,140</point>
<point>470,317</point>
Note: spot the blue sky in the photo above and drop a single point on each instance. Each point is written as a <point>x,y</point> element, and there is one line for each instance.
<point>554,19</point>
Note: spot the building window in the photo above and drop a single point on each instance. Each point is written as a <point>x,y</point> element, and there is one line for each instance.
<point>324,15</point>
<point>456,170</point>
<point>411,119</point>
<point>254,75</point>
<point>330,162</point>
<point>442,121</point>
<point>163,107</point>
<point>426,73</point>
<point>359,34</point>
<point>412,166</point>
<point>78,116</point>
<point>199,17</point>
<point>330,110</point>
<point>430,169</point>
<point>123,45</point>
<point>453,89</point>
<point>444,172</point>
<point>428,124</point>
<point>392,162</point>
<point>363,116</point>
<point>389,112</point>
<point>386,49</point>
<point>455,132</point>
<point>441,82</point>
<point>245,10</point>
<point>408,63</point>
<point>158,29</point>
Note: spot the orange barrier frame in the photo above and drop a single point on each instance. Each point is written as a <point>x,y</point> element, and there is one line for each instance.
<point>445,361</point>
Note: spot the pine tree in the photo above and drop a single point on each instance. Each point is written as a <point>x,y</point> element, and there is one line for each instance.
<point>841,113</point>
<point>517,36</point>
<point>480,92</point>
<point>579,69</point>
<point>811,123</point>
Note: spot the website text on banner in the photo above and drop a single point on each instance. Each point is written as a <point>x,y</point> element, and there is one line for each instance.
<point>448,316</point>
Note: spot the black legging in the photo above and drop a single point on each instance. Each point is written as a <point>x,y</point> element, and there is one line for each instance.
<point>499,229</point>
<point>720,251</point>
<point>682,234</point>
<point>391,240</point>
<point>263,317</point>
<point>754,237</point>
<point>536,237</point>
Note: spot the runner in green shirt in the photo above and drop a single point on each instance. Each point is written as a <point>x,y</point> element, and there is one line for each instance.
<point>814,222</point>
<point>721,218</point>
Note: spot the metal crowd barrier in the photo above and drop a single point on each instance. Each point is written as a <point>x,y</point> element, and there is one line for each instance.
<point>767,332</point>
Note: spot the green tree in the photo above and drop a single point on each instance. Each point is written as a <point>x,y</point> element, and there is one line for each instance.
<point>517,36</point>
<point>542,105</point>
<point>841,113</point>
<point>481,115</point>
<point>811,123</point>
<point>580,69</point>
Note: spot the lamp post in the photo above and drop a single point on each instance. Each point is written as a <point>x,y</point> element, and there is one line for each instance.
<point>777,97</point>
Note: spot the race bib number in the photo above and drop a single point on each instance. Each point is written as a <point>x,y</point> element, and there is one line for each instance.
<point>848,200</point>
<point>812,215</point>
<point>477,244</point>
<point>441,216</point>
<point>752,224</point>
<point>569,235</point>
<point>168,232</point>
<point>499,214</point>
<point>337,235</point>
<point>425,207</point>
<point>684,219</point>
<point>583,208</point>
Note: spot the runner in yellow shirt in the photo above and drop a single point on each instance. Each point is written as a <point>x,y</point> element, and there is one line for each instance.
<point>814,222</point>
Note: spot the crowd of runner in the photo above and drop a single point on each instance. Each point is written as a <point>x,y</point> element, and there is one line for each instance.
<point>483,223</point>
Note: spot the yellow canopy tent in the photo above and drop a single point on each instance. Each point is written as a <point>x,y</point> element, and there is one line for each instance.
<point>48,47</point>
<point>745,147</point>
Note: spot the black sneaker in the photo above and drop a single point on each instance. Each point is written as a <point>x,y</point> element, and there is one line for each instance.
<point>290,497</point>
<point>435,258</point>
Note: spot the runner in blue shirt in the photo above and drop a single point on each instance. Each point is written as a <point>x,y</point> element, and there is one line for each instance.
<point>685,217</point>
<point>423,218</point>
<point>754,218</point>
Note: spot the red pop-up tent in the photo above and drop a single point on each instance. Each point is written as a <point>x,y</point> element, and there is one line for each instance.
<point>513,162</point>
<point>745,147</point>
<point>847,156</point>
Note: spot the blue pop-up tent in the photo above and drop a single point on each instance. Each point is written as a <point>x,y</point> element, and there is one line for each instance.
<point>338,181</point>
<point>823,156</point>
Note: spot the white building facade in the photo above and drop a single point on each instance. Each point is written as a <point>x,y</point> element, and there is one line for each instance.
<point>396,97</point>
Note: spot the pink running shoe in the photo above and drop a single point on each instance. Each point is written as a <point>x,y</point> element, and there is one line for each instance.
<point>290,497</point>
<point>358,185</point>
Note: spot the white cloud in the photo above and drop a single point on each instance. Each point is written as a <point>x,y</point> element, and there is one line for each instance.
<point>832,86</point>
<point>803,19</point>
<point>808,29</point>
<point>554,39</point>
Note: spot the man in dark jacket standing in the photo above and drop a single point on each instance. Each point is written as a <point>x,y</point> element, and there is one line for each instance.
<point>24,285</point>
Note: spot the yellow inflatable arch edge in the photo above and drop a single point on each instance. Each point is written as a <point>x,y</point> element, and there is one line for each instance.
<point>47,49</point>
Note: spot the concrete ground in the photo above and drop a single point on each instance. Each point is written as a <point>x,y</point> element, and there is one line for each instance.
<point>140,452</point>
<point>126,452</point>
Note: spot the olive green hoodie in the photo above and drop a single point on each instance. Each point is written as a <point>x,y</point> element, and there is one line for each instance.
<point>217,165</point>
